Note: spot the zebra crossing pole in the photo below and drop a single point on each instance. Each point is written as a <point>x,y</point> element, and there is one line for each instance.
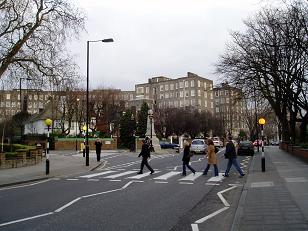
<point>262,123</point>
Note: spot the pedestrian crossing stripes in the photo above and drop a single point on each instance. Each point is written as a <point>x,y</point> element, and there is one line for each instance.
<point>159,176</point>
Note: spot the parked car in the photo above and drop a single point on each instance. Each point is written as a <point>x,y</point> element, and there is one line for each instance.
<point>245,148</point>
<point>217,142</point>
<point>275,142</point>
<point>165,145</point>
<point>198,146</point>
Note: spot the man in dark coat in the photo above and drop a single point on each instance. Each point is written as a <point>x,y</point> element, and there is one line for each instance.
<point>98,148</point>
<point>230,154</point>
<point>145,153</point>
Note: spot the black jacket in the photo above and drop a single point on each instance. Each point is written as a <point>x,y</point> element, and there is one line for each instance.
<point>186,152</point>
<point>145,151</point>
<point>230,150</point>
<point>98,146</point>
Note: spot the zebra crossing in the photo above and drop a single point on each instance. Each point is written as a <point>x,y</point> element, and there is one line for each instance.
<point>160,176</point>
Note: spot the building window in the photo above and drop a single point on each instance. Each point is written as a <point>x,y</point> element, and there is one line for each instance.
<point>199,83</point>
<point>205,103</point>
<point>227,100</point>
<point>217,109</point>
<point>226,92</point>
<point>186,93</point>
<point>13,104</point>
<point>171,86</point>
<point>139,90</point>
<point>192,102</point>
<point>41,97</point>
<point>212,106</point>
<point>147,90</point>
<point>8,96</point>
<point>192,83</point>
<point>8,104</point>
<point>211,95</point>
<point>199,93</point>
<point>35,97</point>
<point>176,85</point>
<point>181,84</point>
<point>161,87</point>
<point>216,93</point>
<point>199,102</point>
<point>205,94</point>
<point>181,103</point>
<point>205,85</point>
<point>30,97</point>
<point>181,94</point>
<point>186,83</point>
<point>167,95</point>
<point>166,87</point>
<point>161,96</point>
<point>192,92</point>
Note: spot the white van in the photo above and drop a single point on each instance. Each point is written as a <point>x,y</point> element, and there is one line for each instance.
<point>217,142</point>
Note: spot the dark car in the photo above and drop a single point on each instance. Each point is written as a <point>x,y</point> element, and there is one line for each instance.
<point>166,145</point>
<point>245,148</point>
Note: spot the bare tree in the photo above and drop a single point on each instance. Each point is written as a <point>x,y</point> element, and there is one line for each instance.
<point>33,35</point>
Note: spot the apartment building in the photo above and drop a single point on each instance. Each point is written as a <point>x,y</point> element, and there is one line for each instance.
<point>191,90</point>
<point>229,108</point>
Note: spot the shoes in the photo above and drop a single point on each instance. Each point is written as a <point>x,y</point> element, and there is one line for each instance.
<point>225,175</point>
<point>183,174</point>
<point>139,173</point>
<point>241,176</point>
<point>194,173</point>
<point>152,172</point>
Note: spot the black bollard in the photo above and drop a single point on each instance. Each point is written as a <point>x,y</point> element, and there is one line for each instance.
<point>47,166</point>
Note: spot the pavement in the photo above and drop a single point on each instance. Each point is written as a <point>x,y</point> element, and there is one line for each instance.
<point>277,198</point>
<point>272,200</point>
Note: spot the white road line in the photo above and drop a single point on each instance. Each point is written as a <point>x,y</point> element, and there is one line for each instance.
<point>93,180</point>
<point>115,180</point>
<point>194,227</point>
<point>224,201</point>
<point>167,175</point>
<point>22,186</point>
<point>216,178</point>
<point>191,177</point>
<point>186,183</point>
<point>211,215</point>
<point>97,174</point>
<point>72,179</point>
<point>212,184</point>
<point>67,205</point>
<point>119,175</point>
<point>25,219</point>
<point>161,182</point>
<point>141,175</point>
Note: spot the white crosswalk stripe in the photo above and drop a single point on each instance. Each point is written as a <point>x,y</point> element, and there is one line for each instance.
<point>191,177</point>
<point>120,174</point>
<point>97,174</point>
<point>167,175</point>
<point>141,175</point>
<point>216,178</point>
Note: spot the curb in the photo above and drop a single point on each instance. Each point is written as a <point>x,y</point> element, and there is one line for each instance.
<point>23,182</point>
<point>240,208</point>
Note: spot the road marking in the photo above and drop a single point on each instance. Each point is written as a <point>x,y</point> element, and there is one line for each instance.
<point>67,205</point>
<point>212,184</point>
<point>22,186</point>
<point>93,180</point>
<point>216,178</point>
<point>186,183</point>
<point>167,175</point>
<point>119,175</point>
<point>191,177</point>
<point>72,179</point>
<point>296,180</point>
<point>141,175</point>
<point>262,184</point>
<point>226,206</point>
<point>161,182</point>
<point>115,180</point>
<point>97,174</point>
<point>25,219</point>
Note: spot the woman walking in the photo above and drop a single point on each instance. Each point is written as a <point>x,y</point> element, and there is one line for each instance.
<point>211,158</point>
<point>186,158</point>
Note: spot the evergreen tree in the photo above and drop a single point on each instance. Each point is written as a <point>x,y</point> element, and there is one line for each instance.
<point>142,120</point>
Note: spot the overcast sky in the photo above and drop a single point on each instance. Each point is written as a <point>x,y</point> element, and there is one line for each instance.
<point>157,38</point>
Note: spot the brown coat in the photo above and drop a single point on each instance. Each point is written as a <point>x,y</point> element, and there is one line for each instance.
<point>211,155</point>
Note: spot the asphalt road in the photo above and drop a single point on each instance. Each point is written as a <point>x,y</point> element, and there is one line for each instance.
<point>114,197</point>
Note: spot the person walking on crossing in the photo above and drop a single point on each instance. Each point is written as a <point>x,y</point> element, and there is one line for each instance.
<point>145,153</point>
<point>98,149</point>
<point>186,158</point>
<point>230,154</point>
<point>211,158</point>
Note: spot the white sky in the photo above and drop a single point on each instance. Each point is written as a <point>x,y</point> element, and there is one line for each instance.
<point>157,38</point>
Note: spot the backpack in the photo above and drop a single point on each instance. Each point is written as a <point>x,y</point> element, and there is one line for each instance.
<point>216,149</point>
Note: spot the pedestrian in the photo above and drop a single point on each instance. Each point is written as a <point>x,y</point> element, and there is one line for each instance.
<point>211,158</point>
<point>145,153</point>
<point>230,154</point>
<point>98,148</point>
<point>186,158</point>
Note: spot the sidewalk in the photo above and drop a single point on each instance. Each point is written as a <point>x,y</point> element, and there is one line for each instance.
<point>62,163</point>
<point>277,198</point>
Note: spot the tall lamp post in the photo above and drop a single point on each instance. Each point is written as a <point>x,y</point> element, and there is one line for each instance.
<point>76,123</point>
<point>87,131</point>
<point>150,113</point>
<point>48,123</point>
<point>262,123</point>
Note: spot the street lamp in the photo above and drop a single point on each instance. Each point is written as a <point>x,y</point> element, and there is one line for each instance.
<point>262,123</point>
<point>87,130</point>
<point>48,123</point>
<point>76,123</point>
<point>84,129</point>
<point>150,114</point>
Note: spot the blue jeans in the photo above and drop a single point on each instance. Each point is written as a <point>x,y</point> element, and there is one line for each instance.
<point>208,167</point>
<point>188,166</point>
<point>233,162</point>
